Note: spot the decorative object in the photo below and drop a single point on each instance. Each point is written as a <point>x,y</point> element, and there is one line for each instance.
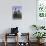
<point>14,30</point>
<point>17,12</point>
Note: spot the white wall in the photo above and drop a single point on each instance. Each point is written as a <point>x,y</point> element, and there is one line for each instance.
<point>28,15</point>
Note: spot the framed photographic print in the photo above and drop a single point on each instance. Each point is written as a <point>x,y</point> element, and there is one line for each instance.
<point>17,12</point>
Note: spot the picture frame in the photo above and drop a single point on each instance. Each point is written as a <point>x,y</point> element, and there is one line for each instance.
<point>17,12</point>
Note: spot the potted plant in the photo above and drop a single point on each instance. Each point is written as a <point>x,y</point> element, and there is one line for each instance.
<point>39,35</point>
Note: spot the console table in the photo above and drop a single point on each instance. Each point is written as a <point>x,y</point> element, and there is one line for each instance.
<point>8,35</point>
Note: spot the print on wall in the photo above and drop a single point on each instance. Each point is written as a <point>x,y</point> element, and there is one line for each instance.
<point>17,12</point>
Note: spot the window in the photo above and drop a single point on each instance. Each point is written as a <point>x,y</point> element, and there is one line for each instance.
<point>41,8</point>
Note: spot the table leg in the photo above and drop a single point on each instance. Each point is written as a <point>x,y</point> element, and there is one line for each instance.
<point>5,40</point>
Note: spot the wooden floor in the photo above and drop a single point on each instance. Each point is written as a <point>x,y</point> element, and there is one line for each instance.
<point>13,44</point>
